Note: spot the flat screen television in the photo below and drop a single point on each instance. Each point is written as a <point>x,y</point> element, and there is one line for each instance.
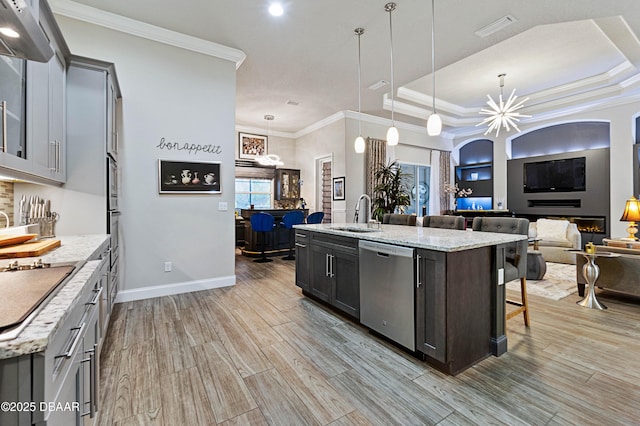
<point>565,175</point>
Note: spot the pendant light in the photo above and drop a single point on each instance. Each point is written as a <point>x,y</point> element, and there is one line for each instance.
<point>269,159</point>
<point>392,133</point>
<point>434,123</point>
<point>502,114</point>
<point>359,144</point>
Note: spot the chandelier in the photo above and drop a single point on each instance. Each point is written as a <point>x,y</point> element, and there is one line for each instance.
<point>502,114</point>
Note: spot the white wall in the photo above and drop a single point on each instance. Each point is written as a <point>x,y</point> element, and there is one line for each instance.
<point>328,140</point>
<point>184,97</point>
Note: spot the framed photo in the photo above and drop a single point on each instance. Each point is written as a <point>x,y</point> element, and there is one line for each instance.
<point>252,146</point>
<point>338,188</point>
<point>189,177</point>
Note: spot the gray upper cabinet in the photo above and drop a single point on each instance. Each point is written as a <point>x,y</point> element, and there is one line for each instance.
<point>36,114</point>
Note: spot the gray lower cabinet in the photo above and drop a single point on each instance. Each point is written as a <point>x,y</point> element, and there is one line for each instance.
<point>453,296</point>
<point>334,272</point>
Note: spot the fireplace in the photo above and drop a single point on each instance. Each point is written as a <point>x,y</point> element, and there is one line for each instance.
<point>590,225</point>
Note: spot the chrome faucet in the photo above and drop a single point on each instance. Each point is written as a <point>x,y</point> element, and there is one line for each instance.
<point>355,217</point>
<point>6,218</point>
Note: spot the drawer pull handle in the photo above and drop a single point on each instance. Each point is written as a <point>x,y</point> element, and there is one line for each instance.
<point>96,298</point>
<point>76,340</point>
<point>301,245</point>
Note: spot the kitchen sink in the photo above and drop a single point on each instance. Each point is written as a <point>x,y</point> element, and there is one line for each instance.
<point>355,229</point>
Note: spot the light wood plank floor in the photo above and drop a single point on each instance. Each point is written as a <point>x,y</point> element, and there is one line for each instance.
<point>261,353</point>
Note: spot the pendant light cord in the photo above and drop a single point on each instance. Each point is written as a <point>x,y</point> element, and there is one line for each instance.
<point>433,52</point>
<point>359,32</point>
<point>391,7</point>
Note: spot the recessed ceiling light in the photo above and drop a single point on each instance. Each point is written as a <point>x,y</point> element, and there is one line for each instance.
<point>276,9</point>
<point>378,84</point>
<point>496,26</point>
<point>9,32</point>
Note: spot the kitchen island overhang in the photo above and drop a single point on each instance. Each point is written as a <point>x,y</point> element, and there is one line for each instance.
<point>460,306</point>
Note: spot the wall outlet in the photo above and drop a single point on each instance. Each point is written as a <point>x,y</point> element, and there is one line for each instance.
<point>168,266</point>
<point>222,206</point>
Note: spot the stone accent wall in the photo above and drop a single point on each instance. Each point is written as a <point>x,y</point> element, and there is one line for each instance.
<point>6,201</point>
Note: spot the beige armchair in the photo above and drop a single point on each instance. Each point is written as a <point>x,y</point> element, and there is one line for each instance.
<point>553,246</point>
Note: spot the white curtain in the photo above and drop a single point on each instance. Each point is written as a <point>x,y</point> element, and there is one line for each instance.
<point>440,174</point>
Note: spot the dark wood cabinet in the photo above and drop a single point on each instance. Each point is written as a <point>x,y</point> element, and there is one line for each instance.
<point>287,184</point>
<point>453,296</point>
<point>430,304</point>
<point>333,274</point>
<point>302,259</point>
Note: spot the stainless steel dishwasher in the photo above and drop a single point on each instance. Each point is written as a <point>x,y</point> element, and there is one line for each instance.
<point>386,291</point>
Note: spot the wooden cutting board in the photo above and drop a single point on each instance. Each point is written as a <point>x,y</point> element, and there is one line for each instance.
<point>33,249</point>
<point>9,240</point>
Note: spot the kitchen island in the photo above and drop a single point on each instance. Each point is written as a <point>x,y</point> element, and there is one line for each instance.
<point>456,285</point>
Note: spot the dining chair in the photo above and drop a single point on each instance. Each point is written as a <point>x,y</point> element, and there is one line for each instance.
<point>262,223</point>
<point>445,221</point>
<point>399,219</point>
<point>315,217</point>
<point>290,219</point>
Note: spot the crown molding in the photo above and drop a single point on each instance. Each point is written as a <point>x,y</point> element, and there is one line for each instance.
<point>95,16</point>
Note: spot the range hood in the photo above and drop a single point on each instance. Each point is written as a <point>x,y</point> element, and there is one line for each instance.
<point>31,42</point>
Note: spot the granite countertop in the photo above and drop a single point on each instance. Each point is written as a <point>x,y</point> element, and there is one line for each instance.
<point>74,249</point>
<point>446,240</point>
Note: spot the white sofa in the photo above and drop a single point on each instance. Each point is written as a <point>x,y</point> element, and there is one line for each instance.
<point>556,236</point>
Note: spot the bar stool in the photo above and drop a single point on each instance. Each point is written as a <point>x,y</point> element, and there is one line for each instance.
<point>262,223</point>
<point>315,218</point>
<point>290,219</point>
<point>515,266</point>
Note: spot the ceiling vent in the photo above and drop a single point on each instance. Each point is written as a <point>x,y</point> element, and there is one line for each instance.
<point>496,26</point>
<point>293,103</point>
<point>378,84</point>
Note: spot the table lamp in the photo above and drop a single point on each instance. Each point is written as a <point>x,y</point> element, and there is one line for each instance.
<point>632,215</point>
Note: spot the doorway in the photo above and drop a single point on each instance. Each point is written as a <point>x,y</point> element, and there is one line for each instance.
<point>323,196</point>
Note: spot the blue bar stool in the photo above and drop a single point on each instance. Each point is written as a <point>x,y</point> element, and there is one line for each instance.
<point>315,218</point>
<point>295,217</point>
<point>262,223</point>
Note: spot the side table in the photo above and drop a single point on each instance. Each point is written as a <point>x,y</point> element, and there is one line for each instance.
<point>591,272</point>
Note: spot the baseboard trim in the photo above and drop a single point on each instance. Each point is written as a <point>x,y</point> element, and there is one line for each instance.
<point>176,288</point>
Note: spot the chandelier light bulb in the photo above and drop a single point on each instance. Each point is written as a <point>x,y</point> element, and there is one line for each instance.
<point>434,125</point>
<point>502,114</point>
<point>392,136</point>
<point>359,145</point>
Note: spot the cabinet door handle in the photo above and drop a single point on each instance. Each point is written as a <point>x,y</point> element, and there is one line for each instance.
<point>418,282</point>
<point>96,298</point>
<point>92,382</point>
<point>326,265</point>
<point>77,339</point>
<point>301,245</point>
<point>3,105</point>
<point>331,274</point>
<point>58,156</point>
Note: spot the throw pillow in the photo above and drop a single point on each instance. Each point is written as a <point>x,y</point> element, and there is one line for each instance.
<point>551,229</point>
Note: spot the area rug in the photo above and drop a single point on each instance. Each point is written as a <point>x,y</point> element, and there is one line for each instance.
<point>559,282</point>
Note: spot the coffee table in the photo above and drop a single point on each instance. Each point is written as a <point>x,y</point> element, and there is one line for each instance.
<point>591,272</point>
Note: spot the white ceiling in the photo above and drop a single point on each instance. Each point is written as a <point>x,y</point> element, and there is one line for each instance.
<point>564,55</point>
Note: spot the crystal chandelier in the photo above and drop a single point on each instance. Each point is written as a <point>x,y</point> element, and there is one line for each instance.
<point>502,114</point>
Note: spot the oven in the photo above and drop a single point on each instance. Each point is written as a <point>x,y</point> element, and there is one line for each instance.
<point>112,182</point>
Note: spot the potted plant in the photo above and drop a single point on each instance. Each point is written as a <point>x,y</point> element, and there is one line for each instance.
<point>390,192</point>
